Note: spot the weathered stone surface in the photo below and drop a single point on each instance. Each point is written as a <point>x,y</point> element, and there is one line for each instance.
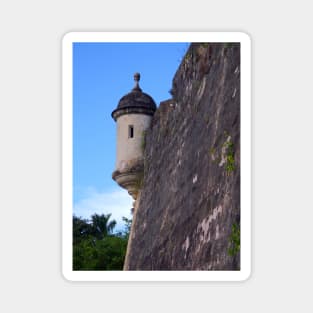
<point>189,204</point>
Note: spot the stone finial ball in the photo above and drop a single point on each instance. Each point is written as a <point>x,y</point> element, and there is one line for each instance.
<point>137,77</point>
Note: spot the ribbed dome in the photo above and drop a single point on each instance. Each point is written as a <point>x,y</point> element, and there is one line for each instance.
<point>135,102</point>
<point>138,99</point>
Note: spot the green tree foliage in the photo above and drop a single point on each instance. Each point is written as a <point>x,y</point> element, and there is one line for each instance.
<point>128,223</point>
<point>100,225</point>
<point>95,246</point>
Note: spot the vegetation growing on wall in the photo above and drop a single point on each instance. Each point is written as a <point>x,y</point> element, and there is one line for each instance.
<point>230,155</point>
<point>234,240</point>
<point>230,158</point>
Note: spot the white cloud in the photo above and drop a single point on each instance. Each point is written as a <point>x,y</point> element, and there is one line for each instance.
<point>116,202</point>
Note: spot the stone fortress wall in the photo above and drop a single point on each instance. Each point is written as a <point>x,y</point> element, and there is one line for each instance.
<point>187,214</point>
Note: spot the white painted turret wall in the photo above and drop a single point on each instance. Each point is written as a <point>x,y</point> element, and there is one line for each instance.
<point>128,150</point>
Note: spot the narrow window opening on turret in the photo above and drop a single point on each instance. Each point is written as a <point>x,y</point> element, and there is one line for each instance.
<point>130,131</point>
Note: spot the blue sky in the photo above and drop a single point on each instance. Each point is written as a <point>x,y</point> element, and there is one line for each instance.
<point>102,74</point>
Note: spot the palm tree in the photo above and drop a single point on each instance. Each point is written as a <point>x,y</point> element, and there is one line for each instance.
<point>101,226</point>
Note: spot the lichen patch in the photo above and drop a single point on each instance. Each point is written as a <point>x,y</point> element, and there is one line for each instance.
<point>185,246</point>
<point>195,178</point>
<point>224,152</point>
<point>204,226</point>
<point>234,93</point>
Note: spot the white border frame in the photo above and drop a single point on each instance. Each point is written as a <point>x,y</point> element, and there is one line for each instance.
<point>67,156</point>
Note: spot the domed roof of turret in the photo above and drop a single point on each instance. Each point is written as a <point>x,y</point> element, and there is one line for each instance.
<point>135,101</point>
